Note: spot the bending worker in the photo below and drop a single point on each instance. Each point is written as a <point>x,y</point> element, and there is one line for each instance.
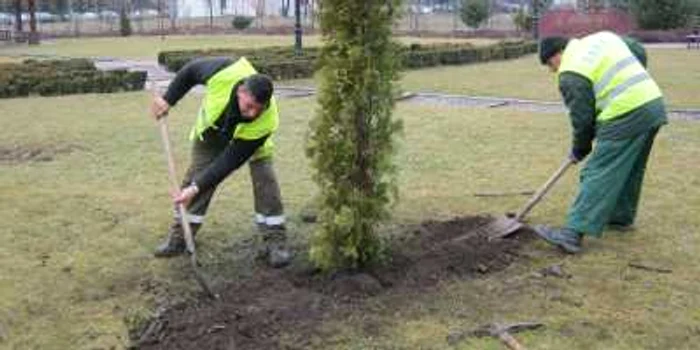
<point>235,124</point>
<point>612,98</point>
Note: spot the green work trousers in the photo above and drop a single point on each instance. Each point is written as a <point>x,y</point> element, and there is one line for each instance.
<point>611,184</point>
<point>266,192</point>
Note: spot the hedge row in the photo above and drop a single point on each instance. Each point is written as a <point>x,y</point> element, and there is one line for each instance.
<point>64,77</point>
<point>452,54</point>
<point>274,56</point>
<point>281,62</point>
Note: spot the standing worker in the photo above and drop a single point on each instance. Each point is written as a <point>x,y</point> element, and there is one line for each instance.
<point>236,121</point>
<point>612,98</point>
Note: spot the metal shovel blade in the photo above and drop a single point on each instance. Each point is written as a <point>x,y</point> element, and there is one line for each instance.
<point>506,225</point>
<point>500,227</point>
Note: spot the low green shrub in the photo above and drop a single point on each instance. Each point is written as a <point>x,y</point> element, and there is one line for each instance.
<point>63,77</point>
<point>281,63</point>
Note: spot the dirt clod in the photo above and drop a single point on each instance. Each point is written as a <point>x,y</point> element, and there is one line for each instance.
<point>555,271</point>
<point>275,309</point>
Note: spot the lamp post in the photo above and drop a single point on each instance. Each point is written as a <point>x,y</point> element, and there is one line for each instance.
<point>33,38</point>
<point>536,19</point>
<point>297,27</point>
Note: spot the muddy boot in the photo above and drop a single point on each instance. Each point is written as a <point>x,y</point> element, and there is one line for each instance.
<point>566,239</point>
<point>309,212</point>
<point>175,244</point>
<point>275,251</point>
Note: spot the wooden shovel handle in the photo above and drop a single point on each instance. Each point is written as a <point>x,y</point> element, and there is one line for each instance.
<point>163,123</point>
<point>510,342</point>
<point>544,189</point>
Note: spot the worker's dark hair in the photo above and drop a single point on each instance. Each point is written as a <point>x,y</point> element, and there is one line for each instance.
<point>260,85</point>
<point>551,46</point>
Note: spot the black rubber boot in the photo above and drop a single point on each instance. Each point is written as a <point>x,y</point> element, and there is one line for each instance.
<point>275,251</point>
<point>174,244</point>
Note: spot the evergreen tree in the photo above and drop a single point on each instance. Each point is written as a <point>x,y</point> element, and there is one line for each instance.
<point>351,143</point>
<point>124,22</point>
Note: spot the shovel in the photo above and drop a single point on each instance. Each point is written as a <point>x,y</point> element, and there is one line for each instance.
<point>191,249</point>
<point>507,225</point>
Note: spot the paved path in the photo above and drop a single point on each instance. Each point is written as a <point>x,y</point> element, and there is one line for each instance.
<point>159,77</point>
<point>667,46</point>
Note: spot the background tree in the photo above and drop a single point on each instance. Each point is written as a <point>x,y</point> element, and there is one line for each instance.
<point>62,8</point>
<point>285,8</point>
<point>523,20</point>
<point>124,21</point>
<point>33,38</point>
<point>694,11</point>
<point>542,5</point>
<point>351,143</point>
<point>474,12</point>
<point>18,16</point>
<point>620,4</point>
<point>661,14</point>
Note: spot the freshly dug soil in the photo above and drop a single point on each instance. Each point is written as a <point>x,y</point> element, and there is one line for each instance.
<point>282,309</point>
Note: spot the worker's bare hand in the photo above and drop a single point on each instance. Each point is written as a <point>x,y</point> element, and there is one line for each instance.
<point>185,195</point>
<point>159,107</point>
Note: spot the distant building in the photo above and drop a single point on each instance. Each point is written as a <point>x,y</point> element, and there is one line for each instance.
<point>200,8</point>
<point>564,3</point>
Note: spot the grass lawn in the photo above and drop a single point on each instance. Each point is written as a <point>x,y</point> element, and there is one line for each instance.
<point>10,60</point>
<point>147,47</point>
<point>675,70</point>
<point>79,230</point>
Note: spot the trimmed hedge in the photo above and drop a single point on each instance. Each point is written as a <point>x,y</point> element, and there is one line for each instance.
<point>64,77</point>
<point>281,62</point>
<point>419,56</point>
<point>242,22</point>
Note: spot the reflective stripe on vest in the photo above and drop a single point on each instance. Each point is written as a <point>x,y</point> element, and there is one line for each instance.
<point>217,98</point>
<point>620,82</point>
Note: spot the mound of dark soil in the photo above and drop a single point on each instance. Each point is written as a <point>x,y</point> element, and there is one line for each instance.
<point>281,309</point>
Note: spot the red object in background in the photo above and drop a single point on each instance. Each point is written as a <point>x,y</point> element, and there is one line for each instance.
<point>572,23</point>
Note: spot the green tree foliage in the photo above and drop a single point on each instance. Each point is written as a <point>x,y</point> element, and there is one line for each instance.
<point>61,7</point>
<point>694,10</point>
<point>474,12</point>
<point>542,5</point>
<point>620,4</point>
<point>351,143</point>
<point>661,14</point>
<point>124,23</point>
<point>523,20</point>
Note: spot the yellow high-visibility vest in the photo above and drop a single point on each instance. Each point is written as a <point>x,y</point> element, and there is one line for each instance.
<point>620,82</point>
<point>217,98</point>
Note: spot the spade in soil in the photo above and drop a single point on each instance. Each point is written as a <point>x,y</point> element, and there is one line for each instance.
<point>507,225</point>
